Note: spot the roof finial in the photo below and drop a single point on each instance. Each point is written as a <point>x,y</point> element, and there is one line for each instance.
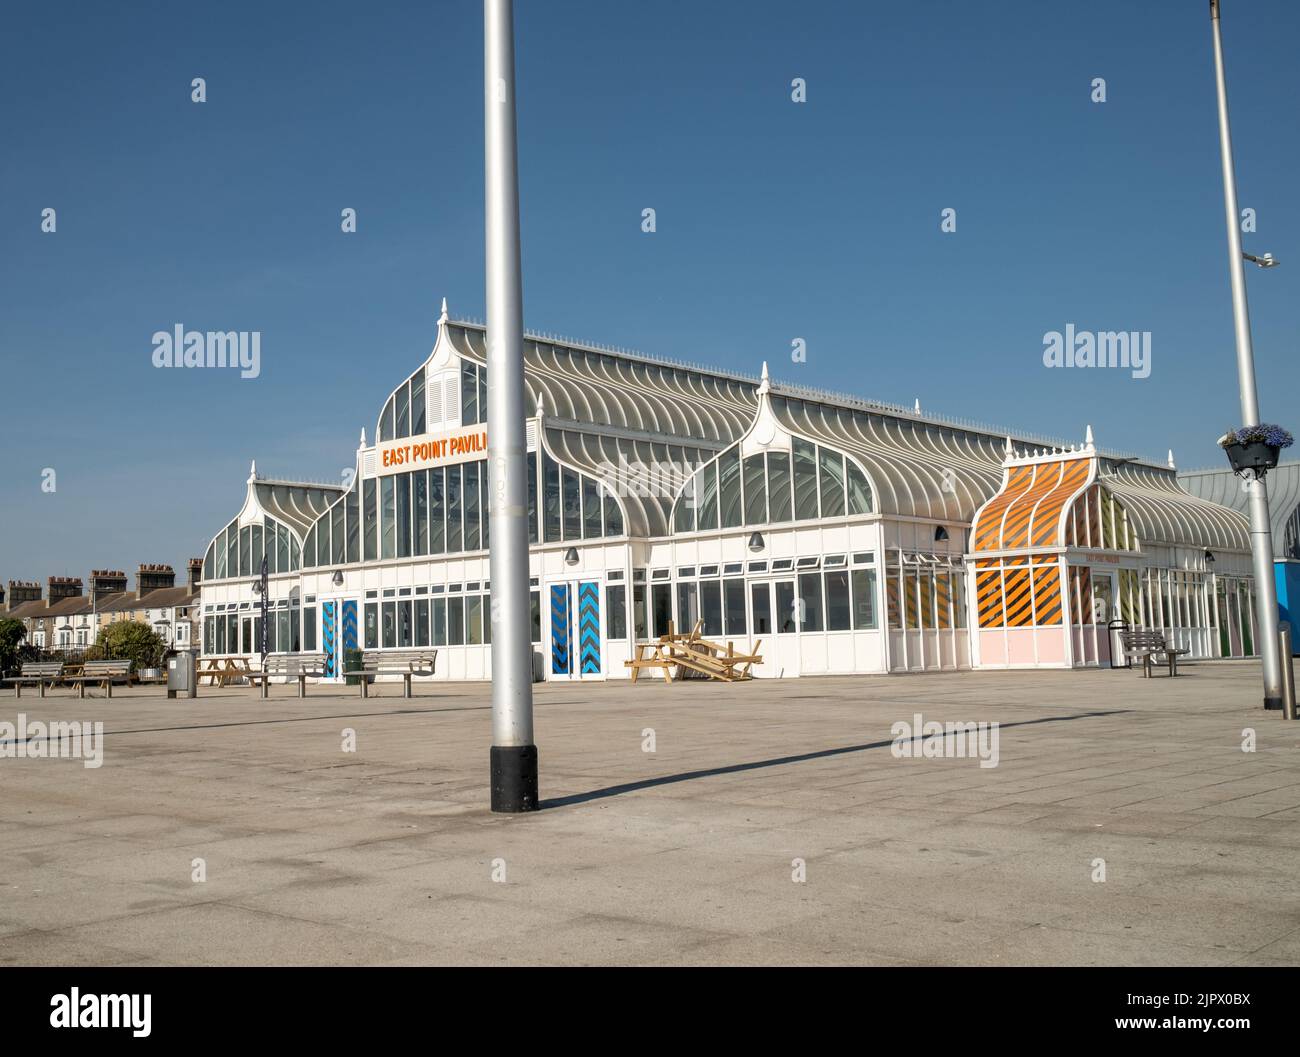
<point>916,408</point>
<point>443,318</point>
<point>1087,437</point>
<point>363,436</point>
<point>541,409</point>
<point>765,385</point>
<point>252,471</point>
<point>1171,459</point>
<point>1007,449</point>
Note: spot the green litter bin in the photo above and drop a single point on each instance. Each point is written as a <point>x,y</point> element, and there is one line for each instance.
<point>351,663</point>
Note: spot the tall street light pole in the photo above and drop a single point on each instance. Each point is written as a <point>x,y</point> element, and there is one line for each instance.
<point>514,756</point>
<point>1261,538</point>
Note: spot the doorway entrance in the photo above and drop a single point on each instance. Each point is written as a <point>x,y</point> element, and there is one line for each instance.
<point>575,630</point>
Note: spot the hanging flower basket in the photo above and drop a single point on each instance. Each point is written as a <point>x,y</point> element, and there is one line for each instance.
<point>1255,448</point>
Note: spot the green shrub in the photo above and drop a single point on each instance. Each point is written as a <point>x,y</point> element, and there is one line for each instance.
<point>129,640</point>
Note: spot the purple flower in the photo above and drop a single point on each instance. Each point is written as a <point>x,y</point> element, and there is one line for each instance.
<point>1265,433</point>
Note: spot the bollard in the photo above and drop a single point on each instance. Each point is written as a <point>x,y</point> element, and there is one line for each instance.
<point>1288,673</point>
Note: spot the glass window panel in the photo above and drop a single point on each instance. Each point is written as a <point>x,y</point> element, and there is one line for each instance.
<point>572,505</point>
<point>859,490</point>
<point>711,606</point>
<point>805,479</point>
<point>309,629</point>
<point>733,599</point>
<point>755,491</point>
<point>470,485</point>
<point>487,619</point>
<point>389,626</point>
<point>337,537</point>
<point>838,609</point>
<point>688,607</point>
<point>403,515</point>
<point>388,503</point>
<point>830,465</point>
<point>613,514</point>
<point>353,505</point>
<point>372,625</point>
<point>684,510</point>
<point>371,519</point>
<point>474,620</point>
<point>422,622</point>
<point>481,372</point>
<point>761,599</point>
<point>532,497</point>
<point>260,551</point>
<point>440,622</point>
<point>404,628</point>
<point>551,499</point>
<point>810,597</point>
<point>403,411</point>
<point>219,551</point>
<point>535,605</point>
<point>456,621</point>
<point>864,599</point>
<point>729,488</point>
<point>454,536</point>
<point>778,485</point>
<point>662,606</point>
<point>707,517</point>
<point>245,552</point>
<point>786,615</point>
<point>386,421</point>
<point>616,610</point>
<point>417,403</point>
<point>283,636</point>
<point>421,482</point>
<point>468,394</point>
<point>640,617</point>
<point>232,550</point>
<point>591,509</point>
<point>282,548</point>
<point>437,511</point>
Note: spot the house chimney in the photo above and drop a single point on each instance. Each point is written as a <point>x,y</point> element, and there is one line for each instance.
<point>23,591</point>
<point>104,582</point>
<point>195,575</point>
<point>153,578</point>
<point>3,608</point>
<point>62,587</point>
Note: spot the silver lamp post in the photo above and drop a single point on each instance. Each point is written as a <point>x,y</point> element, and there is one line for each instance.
<point>514,756</point>
<point>1260,528</point>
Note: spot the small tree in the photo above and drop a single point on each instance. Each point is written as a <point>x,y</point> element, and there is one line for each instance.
<point>129,640</point>
<point>13,649</point>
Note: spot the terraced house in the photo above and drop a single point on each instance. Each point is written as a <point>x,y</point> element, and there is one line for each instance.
<point>847,535</point>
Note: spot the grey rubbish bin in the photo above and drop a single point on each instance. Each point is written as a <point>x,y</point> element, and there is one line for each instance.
<point>180,675</point>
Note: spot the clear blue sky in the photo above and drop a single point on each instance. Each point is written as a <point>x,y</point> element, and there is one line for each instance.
<point>775,221</point>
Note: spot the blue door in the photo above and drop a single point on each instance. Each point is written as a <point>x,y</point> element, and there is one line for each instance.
<point>575,630</point>
<point>329,638</point>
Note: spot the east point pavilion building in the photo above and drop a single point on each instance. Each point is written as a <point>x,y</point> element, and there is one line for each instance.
<point>848,536</point>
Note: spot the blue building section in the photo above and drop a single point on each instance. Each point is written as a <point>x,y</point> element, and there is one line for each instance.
<point>1288,599</point>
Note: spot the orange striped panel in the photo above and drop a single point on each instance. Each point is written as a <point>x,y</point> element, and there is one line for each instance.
<point>988,595</point>
<point>988,522</point>
<point>1047,594</point>
<point>909,592</point>
<point>891,600</point>
<point>942,597</point>
<point>1020,597</point>
<point>1015,526</point>
<point>1047,516</point>
<point>1081,594</point>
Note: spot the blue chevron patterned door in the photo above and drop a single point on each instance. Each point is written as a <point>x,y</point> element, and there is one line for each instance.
<point>589,628</point>
<point>561,632</point>
<point>329,638</point>
<point>349,627</point>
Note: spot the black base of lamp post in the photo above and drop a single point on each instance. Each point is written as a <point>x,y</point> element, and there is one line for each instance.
<point>1273,704</point>
<point>514,778</point>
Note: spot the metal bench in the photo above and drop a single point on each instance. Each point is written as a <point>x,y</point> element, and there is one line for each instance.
<point>38,672</point>
<point>406,663</point>
<point>1146,645</point>
<point>289,666</point>
<point>105,673</point>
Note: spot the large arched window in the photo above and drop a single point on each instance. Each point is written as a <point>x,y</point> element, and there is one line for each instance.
<point>808,482</point>
<point>238,551</point>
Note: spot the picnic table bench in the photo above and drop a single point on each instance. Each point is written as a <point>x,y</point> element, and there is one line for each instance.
<point>38,672</point>
<point>406,663</point>
<point>1146,645</point>
<point>105,673</point>
<point>289,666</point>
<point>223,670</point>
<point>694,654</point>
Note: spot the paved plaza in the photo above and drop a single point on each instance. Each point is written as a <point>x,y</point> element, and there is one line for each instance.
<point>771,824</point>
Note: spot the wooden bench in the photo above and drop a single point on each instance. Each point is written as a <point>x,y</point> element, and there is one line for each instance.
<point>105,673</point>
<point>694,654</point>
<point>38,672</point>
<point>406,663</point>
<point>222,670</point>
<point>1146,645</point>
<point>289,666</point>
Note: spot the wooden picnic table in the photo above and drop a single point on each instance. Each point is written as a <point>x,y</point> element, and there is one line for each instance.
<point>694,653</point>
<point>223,670</point>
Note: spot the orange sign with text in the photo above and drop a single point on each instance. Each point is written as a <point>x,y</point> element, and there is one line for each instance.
<point>417,453</point>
